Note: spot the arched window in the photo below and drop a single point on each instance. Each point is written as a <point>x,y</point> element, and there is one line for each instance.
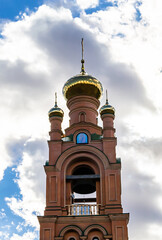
<point>82,117</point>
<point>72,238</point>
<point>95,238</point>
<point>82,138</point>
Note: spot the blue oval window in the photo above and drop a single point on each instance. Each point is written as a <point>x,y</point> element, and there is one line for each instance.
<point>82,138</point>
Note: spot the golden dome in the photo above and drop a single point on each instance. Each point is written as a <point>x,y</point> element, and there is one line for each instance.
<point>82,84</point>
<point>55,111</point>
<point>107,108</point>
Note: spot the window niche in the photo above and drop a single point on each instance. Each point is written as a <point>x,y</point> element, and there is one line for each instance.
<point>82,117</point>
<point>82,138</point>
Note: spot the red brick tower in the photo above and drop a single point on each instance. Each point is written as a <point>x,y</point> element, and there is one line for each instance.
<point>83,188</point>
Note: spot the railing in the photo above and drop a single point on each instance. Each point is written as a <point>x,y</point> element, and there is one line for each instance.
<point>83,209</point>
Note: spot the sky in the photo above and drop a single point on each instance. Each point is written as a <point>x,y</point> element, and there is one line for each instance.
<point>39,51</point>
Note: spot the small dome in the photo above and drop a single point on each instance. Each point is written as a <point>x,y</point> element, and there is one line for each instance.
<point>107,109</point>
<point>55,111</point>
<point>82,84</point>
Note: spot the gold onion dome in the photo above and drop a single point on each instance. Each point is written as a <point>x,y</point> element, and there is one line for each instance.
<point>107,108</point>
<point>82,84</point>
<point>55,111</point>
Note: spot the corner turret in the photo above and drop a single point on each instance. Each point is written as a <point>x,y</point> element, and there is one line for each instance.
<point>55,117</point>
<point>107,113</point>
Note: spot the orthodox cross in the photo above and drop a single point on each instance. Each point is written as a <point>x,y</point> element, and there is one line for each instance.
<point>82,61</point>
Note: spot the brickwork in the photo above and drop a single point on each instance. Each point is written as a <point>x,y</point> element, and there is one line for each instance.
<point>63,218</point>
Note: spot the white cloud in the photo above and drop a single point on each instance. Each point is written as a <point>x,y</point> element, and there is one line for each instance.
<point>141,40</point>
<point>26,76</point>
<point>25,236</point>
<point>84,4</point>
<point>2,214</point>
<point>141,192</point>
<point>32,187</point>
<point>155,230</point>
<point>4,235</point>
<point>19,228</point>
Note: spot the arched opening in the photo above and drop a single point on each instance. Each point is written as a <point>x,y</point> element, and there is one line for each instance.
<point>83,184</point>
<point>82,170</point>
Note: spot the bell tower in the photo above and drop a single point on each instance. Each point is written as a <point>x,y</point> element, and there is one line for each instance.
<point>83,184</point>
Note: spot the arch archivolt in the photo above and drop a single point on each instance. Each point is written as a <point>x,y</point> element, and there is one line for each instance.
<point>81,159</point>
<point>77,156</point>
<point>85,232</point>
<point>84,150</point>
<point>95,227</point>
<point>70,228</point>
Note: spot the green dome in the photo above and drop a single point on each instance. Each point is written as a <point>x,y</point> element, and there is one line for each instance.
<point>55,112</point>
<point>107,109</point>
<point>82,84</point>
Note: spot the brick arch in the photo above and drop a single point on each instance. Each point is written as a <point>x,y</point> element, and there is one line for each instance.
<point>83,149</point>
<point>93,162</point>
<point>71,228</point>
<point>73,162</point>
<point>95,227</point>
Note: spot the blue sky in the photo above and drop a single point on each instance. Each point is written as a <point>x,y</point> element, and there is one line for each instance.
<point>39,48</point>
<point>9,188</point>
<point>10,9</point>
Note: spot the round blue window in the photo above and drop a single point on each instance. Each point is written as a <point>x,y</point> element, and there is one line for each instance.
<point>82,138</point>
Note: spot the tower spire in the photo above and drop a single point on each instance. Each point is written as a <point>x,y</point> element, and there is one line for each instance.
<point>55,99</point>
<point>106,98</point>
<point>82,61</point>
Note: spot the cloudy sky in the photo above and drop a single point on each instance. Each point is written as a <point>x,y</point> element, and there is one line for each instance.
<point>39,50</point>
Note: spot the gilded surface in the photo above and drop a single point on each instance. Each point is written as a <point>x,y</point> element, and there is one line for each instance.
<point>81,81</point>
<point>55,111</point>
<point>107,109</point>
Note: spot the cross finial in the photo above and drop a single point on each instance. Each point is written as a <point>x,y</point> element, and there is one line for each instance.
<point>55,99</point>
<point>82,47</point>
<point>106,97</point>
<point>82,61</point>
